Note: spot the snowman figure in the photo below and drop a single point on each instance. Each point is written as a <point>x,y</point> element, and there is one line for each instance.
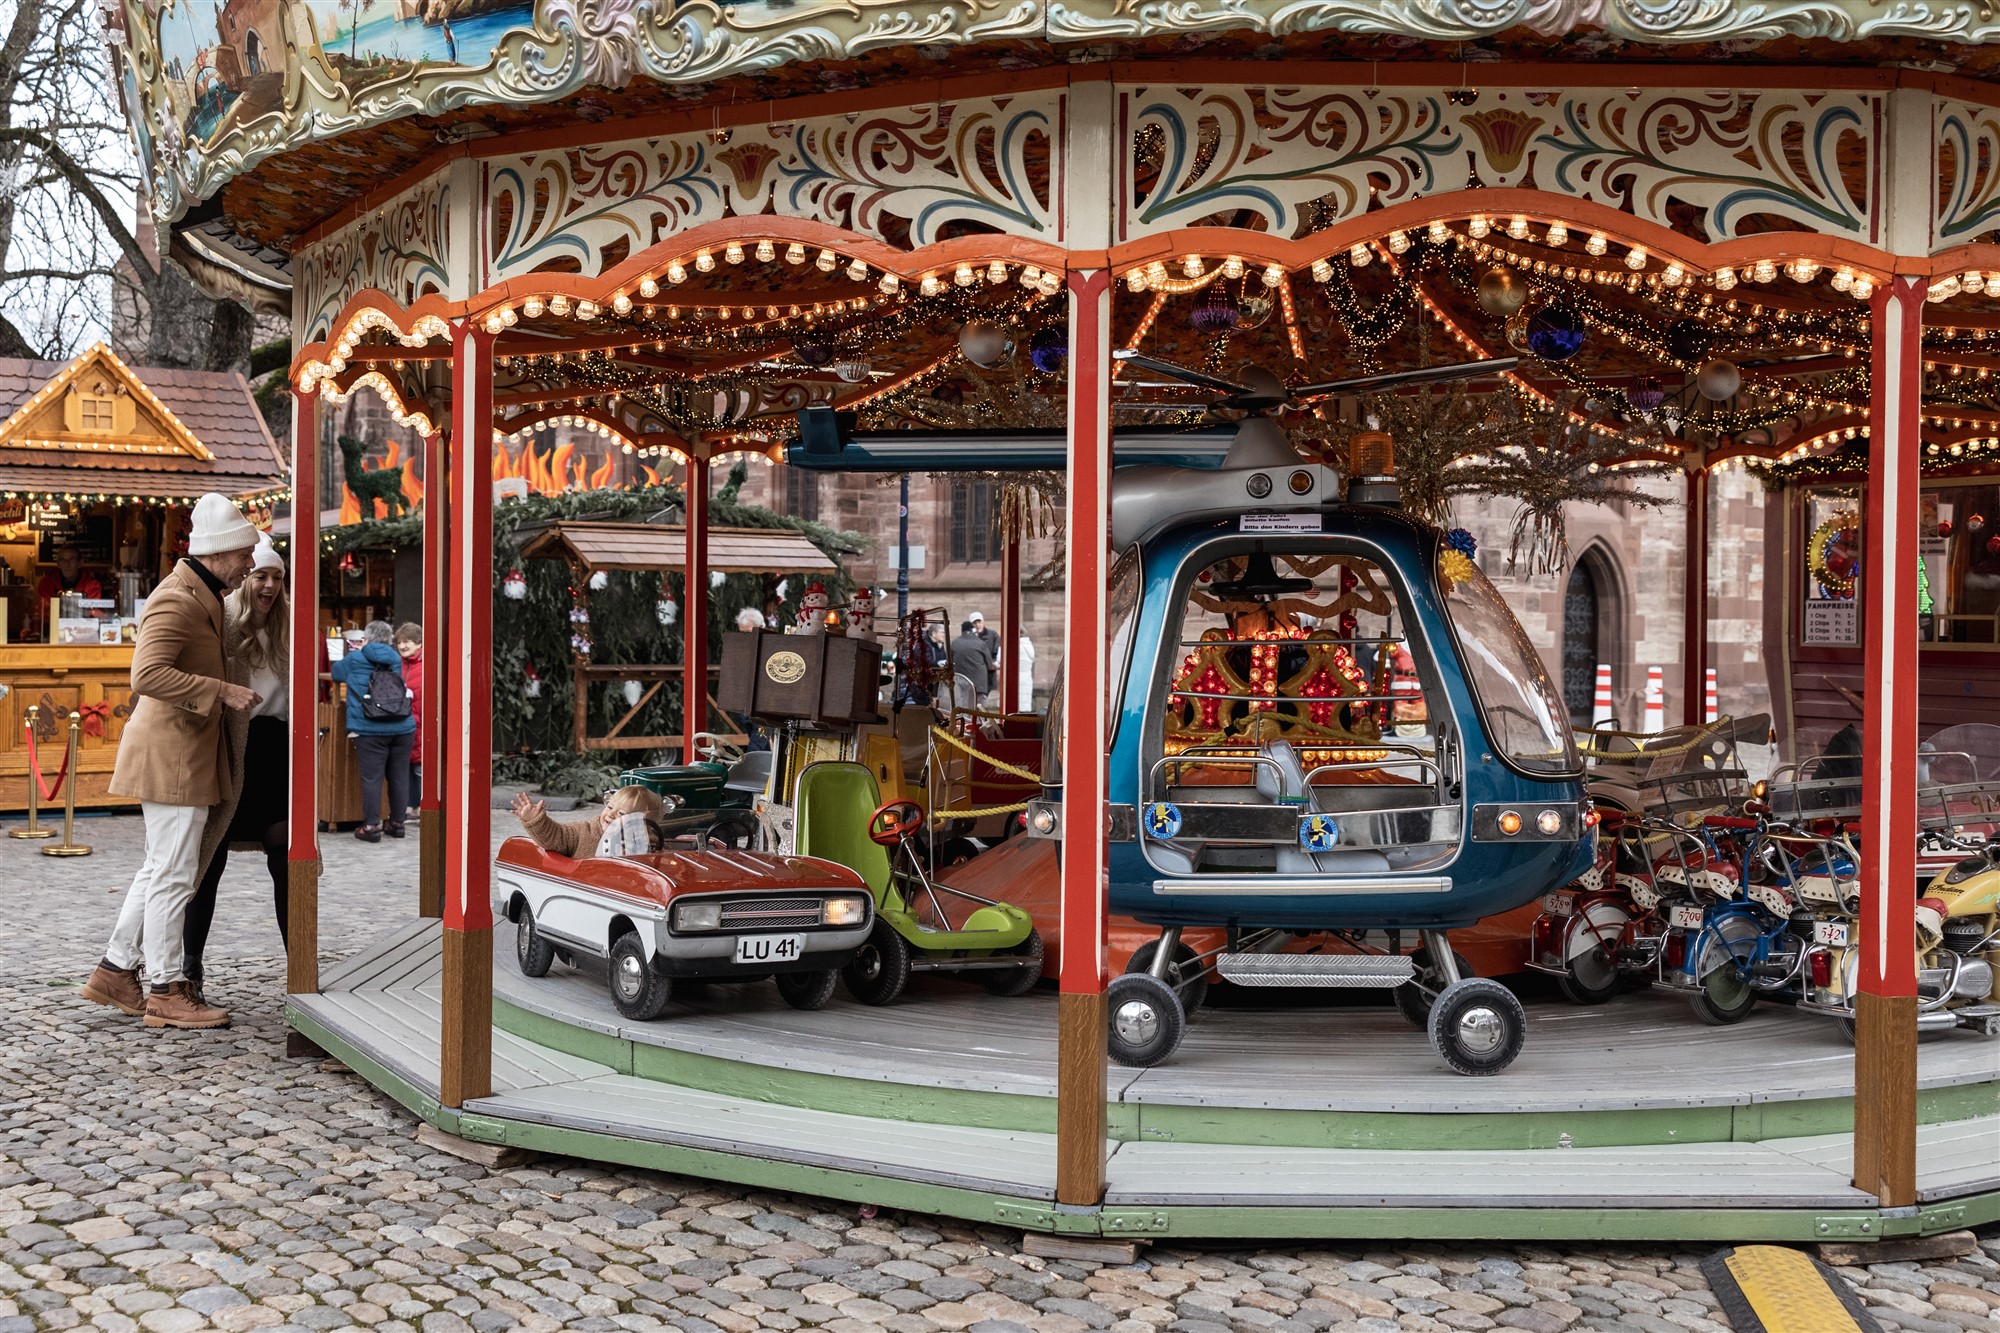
<point>861,614</point>
<point>812,610</point>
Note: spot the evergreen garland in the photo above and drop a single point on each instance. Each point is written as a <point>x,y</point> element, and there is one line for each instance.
<point>624,621</point>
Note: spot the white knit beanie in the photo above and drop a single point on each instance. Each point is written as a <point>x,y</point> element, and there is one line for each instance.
<point>266,556</point>
<point>219,526</point>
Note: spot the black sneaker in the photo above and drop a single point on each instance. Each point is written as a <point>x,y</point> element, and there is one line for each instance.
<point>369,832</point>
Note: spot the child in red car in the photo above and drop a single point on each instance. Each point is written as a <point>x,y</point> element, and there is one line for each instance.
<point>584,836</point>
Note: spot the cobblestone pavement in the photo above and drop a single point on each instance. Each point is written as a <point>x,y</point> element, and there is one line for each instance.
<point>174,1181</point>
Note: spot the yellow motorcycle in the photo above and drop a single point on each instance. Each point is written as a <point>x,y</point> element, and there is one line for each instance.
<point>1957,939</point>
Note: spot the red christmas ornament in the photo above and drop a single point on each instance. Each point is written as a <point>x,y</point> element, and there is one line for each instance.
<point>1944,527</point>
<point>1348,625</point>
<point>1993,544</point>
<point>1976,522</point>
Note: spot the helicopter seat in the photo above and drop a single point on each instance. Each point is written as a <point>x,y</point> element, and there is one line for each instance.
<point>1280,782</point>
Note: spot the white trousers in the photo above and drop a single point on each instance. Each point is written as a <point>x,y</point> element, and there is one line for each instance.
<point>156,905</point>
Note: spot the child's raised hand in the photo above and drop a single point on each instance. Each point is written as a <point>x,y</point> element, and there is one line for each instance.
<point>526,808</point>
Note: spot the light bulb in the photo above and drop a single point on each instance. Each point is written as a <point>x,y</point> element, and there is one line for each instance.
<point>1232,267</point>
<point>1399,242</point>
<point>1273,275</point>
<point>1439,233</point>
<point>648,288</point>
<point>965,276</point>
<point>733,252</point>
<point>931,285</point>
<point>1359,256</point>
<point>795,253</point>
<point>1479,226</point>
<point>704,262</point>
<point>1192,266</point>
<point>532,307</point>
<point>1135,280</point>
<point>1635,258</point>
<point>1597,244</point>
<point>890,282</point>
<point>675,273</point>
<point>1558,235</point>
<point>1725,278</point>
<point>766,251</point>
<point>1322,271</point>
<point>1517,227</point>
<point>996,272</point>
<point>857,270</point>
<point>826,261</point>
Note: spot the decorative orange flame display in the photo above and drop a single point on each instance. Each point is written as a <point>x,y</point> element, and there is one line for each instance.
<point>547,472</point>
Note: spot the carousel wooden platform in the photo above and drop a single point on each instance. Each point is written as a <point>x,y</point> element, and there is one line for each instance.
<point>1628,1121</point>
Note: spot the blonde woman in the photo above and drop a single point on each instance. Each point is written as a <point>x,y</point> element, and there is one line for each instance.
<point>253,813</point>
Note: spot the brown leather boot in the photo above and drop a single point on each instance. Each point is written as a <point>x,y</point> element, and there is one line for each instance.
<point>116,986</point>
<point>175,1005</point>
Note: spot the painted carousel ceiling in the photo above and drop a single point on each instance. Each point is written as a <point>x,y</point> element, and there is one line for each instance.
<point>337,95</point>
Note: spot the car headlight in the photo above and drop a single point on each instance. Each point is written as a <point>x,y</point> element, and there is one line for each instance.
<point>1510,822</point>
<point>698,916</point>
<point>1043,820</point>
<point>1550,822</point>
<point>844,911</point>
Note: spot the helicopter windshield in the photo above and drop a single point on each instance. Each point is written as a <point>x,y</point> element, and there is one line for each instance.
<point>1525,719</point>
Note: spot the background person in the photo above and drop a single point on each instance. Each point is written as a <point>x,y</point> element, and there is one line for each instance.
<point>991,638</point>
<point>971,667</point>
<point>257,637</point>
<point>174,758</point>
<point>381,727</point>
<point>409,646</point>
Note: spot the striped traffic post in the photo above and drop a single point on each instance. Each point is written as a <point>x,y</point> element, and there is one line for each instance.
<point>1656,702</point>
<point>1600,706</point>
<point>1710,709</point>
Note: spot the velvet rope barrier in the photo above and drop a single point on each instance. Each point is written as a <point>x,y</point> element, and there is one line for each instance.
<point>35,765</point>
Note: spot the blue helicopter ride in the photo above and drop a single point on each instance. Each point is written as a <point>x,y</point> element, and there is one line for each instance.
<point>1331,727</point>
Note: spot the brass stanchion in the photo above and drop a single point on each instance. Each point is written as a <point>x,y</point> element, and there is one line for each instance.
<point>34,829</point>
<point>69,846</point>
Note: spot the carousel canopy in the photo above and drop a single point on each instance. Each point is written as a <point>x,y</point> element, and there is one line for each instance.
<point>650,546</point>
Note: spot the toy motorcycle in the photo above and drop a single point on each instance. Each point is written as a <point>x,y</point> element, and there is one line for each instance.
<point>1957,943</point>
<point>1604,927</point>
<point>1736,932</point>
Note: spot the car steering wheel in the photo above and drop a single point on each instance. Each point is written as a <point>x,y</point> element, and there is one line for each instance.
<point>894,821</point>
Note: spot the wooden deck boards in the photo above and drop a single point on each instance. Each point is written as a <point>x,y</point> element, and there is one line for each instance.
<point>385,1003</point>
<point>1000,1161</point>
<point>1644,1051</point>
<point>1698,1175</point>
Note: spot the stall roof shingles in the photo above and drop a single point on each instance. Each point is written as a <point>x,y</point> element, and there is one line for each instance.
<point>641,546</point>
<point>216,407</point>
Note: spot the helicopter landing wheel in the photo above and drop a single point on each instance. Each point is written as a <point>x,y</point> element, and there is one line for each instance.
<point>1145,1018</point>
<point>1477,1026</point>
<point>1415,997</point>
<point>1185,974</point>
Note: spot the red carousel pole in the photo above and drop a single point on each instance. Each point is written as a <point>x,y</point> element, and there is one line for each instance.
<point>302,854</point>
<point>694,623</point>
<point>1885,1006</point>
<point>1080,1085</point>
<point>465,1065</point>
<point>437,695</point>
<point>1694,632</point>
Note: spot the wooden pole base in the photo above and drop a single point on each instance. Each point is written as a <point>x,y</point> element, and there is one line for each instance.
<point>301,927</point>
<point>1080,1090</point>
<point>430,863</point>
<point>494,1156</point>
<point>1885,1097</point>
<point>465,1063</point>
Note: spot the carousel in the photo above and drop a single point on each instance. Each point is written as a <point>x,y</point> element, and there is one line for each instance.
<point>1239,283</point>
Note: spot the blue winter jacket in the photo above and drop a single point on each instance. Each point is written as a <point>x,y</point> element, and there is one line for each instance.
<point>354,670</point>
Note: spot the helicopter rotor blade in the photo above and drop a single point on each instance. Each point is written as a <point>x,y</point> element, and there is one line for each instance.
<point>1182,373</point>
<point>1403,379</point>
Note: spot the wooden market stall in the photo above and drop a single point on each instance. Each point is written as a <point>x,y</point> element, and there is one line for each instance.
<point>590,548</point>
<point>99,464</point>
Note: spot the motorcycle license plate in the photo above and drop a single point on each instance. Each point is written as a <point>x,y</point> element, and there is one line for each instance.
<point>1682,916</point>
<point>753,949</point>
<point>1830,932</point>
<point>1559,904</point>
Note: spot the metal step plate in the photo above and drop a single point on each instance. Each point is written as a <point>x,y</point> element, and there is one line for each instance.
<point>1358,971</point>
<point>1981,1018</point>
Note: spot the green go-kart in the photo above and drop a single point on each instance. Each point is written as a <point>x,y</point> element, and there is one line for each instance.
<point>840,816</point>
<point>710,798</point>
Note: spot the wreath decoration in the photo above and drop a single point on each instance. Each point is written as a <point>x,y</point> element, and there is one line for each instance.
<point>1833,554</point>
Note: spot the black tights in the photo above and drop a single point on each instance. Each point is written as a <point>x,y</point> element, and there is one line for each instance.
<point>201,908</point>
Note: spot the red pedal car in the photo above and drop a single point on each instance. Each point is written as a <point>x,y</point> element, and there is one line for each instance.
<point>715,915</point>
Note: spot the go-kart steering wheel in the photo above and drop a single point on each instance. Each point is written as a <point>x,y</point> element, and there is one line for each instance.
<point>894,821</point>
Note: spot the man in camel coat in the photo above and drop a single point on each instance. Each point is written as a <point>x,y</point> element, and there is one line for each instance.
<point>175,758</point>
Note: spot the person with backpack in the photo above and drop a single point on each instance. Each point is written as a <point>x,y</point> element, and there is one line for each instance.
<point>382,726</point>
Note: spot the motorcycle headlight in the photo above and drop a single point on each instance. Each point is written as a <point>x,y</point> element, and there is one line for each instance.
<point>698,916</point>
<point>845,911</point>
